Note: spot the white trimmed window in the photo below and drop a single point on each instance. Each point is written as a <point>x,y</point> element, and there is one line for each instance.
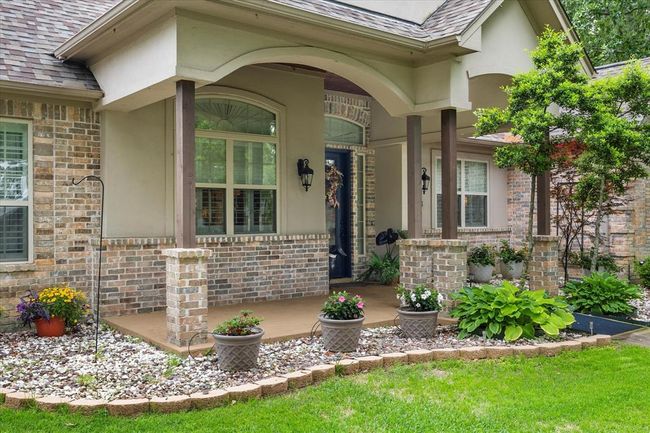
<point>15,191</point>
<point>472,181</point>
<point>236,167</point>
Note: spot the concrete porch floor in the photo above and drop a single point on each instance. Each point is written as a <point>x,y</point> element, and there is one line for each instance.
<point>283,320</point>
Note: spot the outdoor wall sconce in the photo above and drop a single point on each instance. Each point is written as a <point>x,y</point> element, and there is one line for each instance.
<point>306,173</point>
<point>426,180</point>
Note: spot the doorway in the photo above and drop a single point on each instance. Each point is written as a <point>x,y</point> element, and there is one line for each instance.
<point>337,212</point>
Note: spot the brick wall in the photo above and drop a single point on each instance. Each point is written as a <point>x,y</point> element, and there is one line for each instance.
<point>65,144</point>
<point>476,236</point>
<point>241,269</point>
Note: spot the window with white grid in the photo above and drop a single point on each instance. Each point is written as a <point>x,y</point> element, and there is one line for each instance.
<point>472,181</point>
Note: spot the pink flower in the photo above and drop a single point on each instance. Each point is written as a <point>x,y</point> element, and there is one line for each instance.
<point>341,298</point>
<point>360,305</point>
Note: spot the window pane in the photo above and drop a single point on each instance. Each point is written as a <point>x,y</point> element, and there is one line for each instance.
<point>361,205</point>
<point>255,163</point>
<point>13,161</point>
<point>210,160</point>
<point>13,233</point>
<point>220,114</point>
<point>438,175</point>
<point>475,211</point>
<point>341,131</point>
<point>439,210</point>
<point>475,176</point>
<point>210,211</point>
<point>254,211</point>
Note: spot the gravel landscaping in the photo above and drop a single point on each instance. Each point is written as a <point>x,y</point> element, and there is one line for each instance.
<point>129,368</point>
<point>642,307</point>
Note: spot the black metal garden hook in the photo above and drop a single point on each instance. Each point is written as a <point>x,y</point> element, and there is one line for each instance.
<point>101,241</point>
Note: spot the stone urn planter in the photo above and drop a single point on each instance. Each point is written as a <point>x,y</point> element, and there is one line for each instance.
<point>340,335</point>
<point>512,270</point>
<point>481,273</point>
<point>417,324</point>
<point>238,352</point>
<point>55,327</point>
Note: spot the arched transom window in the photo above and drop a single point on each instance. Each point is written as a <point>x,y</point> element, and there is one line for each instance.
<point>236,167</point>
<point>341,131</point>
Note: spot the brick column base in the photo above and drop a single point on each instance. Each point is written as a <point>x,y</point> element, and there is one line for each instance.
<point>438,262</point>
<point>187,294</point>
<point>544,269</point>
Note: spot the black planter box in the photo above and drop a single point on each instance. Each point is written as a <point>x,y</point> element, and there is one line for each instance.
<point>604,325</point>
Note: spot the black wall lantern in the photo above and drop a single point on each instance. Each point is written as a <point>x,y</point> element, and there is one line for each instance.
<point>306,173</point>
<point>426,180</point>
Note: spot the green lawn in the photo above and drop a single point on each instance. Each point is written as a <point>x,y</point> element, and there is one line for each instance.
<point>598,390</point>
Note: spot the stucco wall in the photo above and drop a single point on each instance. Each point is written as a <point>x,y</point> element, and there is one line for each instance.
<point>137,149</point>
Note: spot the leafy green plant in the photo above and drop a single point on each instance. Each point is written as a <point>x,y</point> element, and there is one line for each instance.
<point>343,306</point>
<point>244,324</point>
<point>87,380</point>
<point>384,269</point>
<point>483,255</point>
<point>509,312</point>
<point>604,262</point>
<point>642,268</point>
<point>507,254</point>
<point>419,298</point>
<point>601,293</point>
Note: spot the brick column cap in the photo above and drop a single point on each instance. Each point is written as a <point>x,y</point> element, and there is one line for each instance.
<point>428,242</point>
<point>546,238</point>
<point>187,253</point>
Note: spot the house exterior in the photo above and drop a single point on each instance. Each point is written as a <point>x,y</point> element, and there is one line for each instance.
<point>195,113</point>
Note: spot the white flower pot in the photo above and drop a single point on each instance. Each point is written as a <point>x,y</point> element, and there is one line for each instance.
<point>481,273</point>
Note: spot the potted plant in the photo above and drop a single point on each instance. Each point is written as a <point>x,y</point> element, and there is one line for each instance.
<point>601,303</point>
<point>512,261</point>
<point>52,310</point>
<point>341,320</point>
<point>481,263</point>
<point>238,342</point>
<point>384,268</point>
<point>418,311</point>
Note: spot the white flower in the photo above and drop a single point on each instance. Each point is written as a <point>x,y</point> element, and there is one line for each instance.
<point>440,298</point>
<point>417,305</point>
<point>413,297</point>
<point>426,294</point>
<point>398,297</point>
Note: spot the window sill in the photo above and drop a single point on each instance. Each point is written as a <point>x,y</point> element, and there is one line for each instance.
<point>17,267</point>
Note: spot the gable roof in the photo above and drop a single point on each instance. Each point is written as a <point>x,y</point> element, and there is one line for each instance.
<point>613,69</point>
<point>30,30</point>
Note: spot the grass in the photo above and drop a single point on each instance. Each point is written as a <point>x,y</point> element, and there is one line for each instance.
<point>597,390</point>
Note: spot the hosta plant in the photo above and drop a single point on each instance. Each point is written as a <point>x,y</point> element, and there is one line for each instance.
<point>601,293</point>
<point>509,312</point>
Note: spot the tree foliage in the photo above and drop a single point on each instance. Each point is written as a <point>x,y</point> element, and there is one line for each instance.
<point>611,30</point>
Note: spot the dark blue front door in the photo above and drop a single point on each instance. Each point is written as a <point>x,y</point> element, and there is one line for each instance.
<point>338,214</point>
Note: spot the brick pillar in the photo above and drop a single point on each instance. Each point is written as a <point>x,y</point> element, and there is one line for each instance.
<point>187,294</point>
<point>438,262</point>
<point>544,268</point>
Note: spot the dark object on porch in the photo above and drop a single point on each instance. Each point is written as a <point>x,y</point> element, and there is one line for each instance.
<point>426,180</point>
<point>594,324</point>
<point>306,173</point>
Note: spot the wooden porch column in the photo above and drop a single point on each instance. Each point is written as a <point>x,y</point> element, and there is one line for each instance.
<point>448,172</point>
<point>184,200</point>
<point>544,204</point>
<point>414,175</point>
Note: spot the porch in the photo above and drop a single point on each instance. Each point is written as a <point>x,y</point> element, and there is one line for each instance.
<point>283,320</point>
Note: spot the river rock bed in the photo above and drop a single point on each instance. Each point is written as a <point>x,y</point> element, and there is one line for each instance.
<point>129,368</point>
<point>642,306</point>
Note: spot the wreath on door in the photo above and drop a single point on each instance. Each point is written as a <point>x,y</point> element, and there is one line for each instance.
<point>333,181</point>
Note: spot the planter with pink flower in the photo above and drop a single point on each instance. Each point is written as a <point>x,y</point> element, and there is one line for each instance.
<point>52,310</point>
<point>418,311</point>
<point>341,320</point>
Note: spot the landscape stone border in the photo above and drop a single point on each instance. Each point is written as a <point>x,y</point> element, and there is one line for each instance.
<point>272,386</point>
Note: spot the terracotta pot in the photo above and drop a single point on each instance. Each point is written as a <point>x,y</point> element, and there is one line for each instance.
<point>55,327</point>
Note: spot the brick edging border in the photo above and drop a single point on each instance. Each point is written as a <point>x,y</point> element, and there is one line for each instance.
<point>286,382</point>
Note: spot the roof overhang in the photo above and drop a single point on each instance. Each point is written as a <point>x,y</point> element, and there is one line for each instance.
<point>7,86</point>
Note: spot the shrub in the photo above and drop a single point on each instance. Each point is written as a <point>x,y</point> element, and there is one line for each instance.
<point>384,269</point>
<point>508,312</point>
<point>601,293</point>
<point>419,298</point>
<point>64,302</point>
<point>482,256</point>
<point>507,254</point>
<point>244,324</point>
<point>604,262</point>
<point>642,268</point>
<point>343,306</point>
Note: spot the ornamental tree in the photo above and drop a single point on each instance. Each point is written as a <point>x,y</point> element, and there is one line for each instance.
<point>539,105</point>
<point>613,125</point>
